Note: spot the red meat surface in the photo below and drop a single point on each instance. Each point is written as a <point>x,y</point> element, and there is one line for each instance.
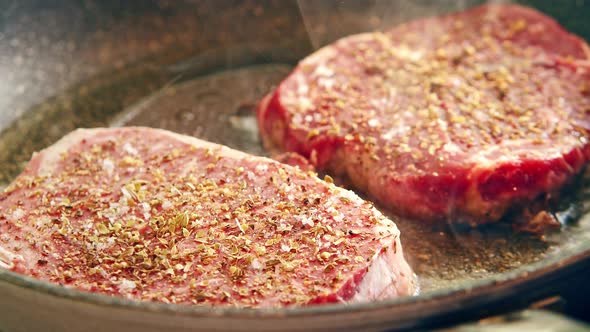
<point>459,118</point>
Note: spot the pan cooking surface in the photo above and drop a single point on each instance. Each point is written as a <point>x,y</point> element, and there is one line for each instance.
<point>220,108</point>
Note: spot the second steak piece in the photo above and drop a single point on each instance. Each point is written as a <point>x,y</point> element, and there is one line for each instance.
<point>458,118</point>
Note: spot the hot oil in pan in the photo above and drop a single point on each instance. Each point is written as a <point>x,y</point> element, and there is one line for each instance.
<point>220,108</point>
<point>217,108</point>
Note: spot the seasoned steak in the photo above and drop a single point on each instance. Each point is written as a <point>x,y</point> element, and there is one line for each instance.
<point>152,215</point>
<point>459,118</point>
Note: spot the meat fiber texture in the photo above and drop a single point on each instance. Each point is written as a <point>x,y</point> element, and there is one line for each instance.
<point>152,215</point>
<point>461,118</point>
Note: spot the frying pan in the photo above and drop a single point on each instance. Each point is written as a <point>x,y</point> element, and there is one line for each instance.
<point>199,67</point>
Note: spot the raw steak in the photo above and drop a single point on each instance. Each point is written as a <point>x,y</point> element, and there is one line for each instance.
<point>152,215</point>
<point>460,118</point>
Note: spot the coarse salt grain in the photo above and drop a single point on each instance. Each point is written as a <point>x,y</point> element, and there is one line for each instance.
<point>108,166</point>
<point>130,149</point>
<point>127,285</point>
